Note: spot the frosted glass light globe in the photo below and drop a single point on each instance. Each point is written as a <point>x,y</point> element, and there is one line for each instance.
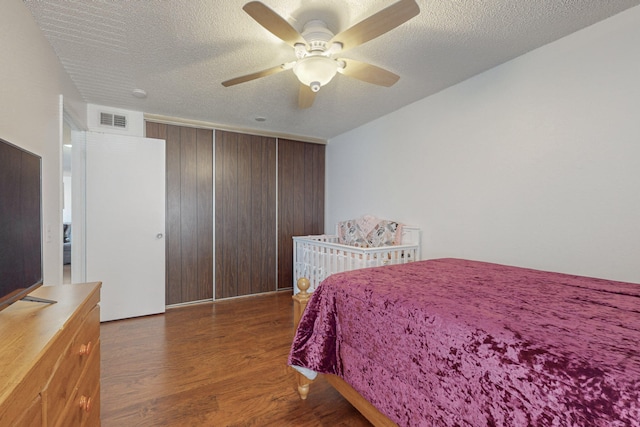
<point>315,71</point>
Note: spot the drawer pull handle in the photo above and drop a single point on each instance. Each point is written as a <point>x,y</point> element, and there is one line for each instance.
<point>85,403</point>
<point>85,349</point>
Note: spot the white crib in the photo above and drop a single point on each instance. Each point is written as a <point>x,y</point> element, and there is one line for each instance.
<point>317,257</point>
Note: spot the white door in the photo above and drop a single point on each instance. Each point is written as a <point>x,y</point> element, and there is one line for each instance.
<point>125,212</point>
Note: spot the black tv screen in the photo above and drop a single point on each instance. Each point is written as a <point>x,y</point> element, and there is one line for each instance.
<point>20,223</point>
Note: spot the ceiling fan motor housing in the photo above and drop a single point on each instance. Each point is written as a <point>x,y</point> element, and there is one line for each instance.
<point>317,35</point>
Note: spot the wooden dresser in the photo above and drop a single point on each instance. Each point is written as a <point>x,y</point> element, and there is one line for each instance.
<point>50,359</point>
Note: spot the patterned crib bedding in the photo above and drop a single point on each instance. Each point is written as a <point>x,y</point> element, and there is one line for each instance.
<point>369,231</point>
<point>456,342</point>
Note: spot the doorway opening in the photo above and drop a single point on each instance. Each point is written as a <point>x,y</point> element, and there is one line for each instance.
<point>66,202</point>
<point>73,148</point>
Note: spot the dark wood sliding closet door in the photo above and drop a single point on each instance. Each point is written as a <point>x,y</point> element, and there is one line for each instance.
<point>300,199</point>
<point>245,214</point>
<point>189,216</point>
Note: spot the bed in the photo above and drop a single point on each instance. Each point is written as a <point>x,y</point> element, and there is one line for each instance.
<point>363,242</point>
<point>451,342</point>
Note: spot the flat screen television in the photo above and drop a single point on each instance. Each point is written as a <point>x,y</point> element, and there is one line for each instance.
<point>20,223</point>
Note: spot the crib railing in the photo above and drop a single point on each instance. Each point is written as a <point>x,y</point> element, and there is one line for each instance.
<point>317,257</point>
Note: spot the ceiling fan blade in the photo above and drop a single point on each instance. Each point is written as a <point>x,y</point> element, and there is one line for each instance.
<point>305,96</point>
<point>273,22</point>
<point>368,73</point>
<point>377,24</point>
<point>253,76</point>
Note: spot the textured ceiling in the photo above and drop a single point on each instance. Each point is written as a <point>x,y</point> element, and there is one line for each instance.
<point>179,52</point>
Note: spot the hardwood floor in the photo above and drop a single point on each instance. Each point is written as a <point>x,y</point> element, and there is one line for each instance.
<point>212,364</point>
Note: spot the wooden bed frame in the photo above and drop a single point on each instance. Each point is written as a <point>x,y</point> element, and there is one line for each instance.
<point>369,411</point>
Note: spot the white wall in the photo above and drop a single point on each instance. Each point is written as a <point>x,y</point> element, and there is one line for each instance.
<point>30,113</point>
<point>534,163</point>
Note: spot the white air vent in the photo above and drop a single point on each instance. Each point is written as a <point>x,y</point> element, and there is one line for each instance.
<point>101,118</point>
<point>113,120</point>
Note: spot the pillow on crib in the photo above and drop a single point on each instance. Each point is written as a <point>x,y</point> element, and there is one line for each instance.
<point>350,234</point>
<point>385,233</point>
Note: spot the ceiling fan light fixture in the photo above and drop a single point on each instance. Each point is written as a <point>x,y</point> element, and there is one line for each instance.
<point>315,71</point>
<point>316,46</point>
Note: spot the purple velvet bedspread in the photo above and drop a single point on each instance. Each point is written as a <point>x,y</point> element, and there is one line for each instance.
<point>452,342</point>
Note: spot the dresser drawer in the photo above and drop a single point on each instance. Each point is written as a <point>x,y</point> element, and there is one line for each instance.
<point>83,406</point>
<point>72,364</point>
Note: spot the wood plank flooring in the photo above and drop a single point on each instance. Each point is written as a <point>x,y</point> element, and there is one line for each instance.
<point>212,364</point>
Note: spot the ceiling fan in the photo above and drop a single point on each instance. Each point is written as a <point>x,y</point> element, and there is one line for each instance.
<point>316,46</point>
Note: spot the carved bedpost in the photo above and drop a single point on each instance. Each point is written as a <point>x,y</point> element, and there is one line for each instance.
<point>300,301</point>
